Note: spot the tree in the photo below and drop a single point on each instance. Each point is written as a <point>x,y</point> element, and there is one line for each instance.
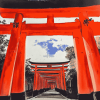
<point>70,52</point>
<point>71,75</point>
<point>29,75</point>
<point>3,44</point>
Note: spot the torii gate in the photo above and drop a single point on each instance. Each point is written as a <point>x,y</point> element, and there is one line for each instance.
<point>52,71</point>
<point>83,30</point>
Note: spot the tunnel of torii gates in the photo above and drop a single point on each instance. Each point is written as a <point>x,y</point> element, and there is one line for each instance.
<point>49,77</point>
<point>83,30</point>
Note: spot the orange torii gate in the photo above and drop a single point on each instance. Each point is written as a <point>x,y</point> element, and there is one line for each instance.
<point>51,71</point>
<point>47,77</point>
<point>12,83</point>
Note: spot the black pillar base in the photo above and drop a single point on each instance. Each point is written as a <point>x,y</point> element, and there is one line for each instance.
<point>96,95</point>
<point>86,97</point>
<point>35,93</point>
<point>29,93</point>
<point>17,96</point>
<point>4,97</point>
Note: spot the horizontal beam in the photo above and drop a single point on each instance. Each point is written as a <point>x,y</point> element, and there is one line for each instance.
<point>49,32</point>
<point>50,63</point>
<point>51,82</point>
<point>6,28</point>
<point>44,29</point>
<point>56,12</point>
<point>49,75</point>
<point>52,72</point>
<point>50,79</point>
<point>49,71</point>
<point>49,68</point>
<point>55,29</point>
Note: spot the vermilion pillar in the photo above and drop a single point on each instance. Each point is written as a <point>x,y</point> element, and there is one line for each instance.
<point>92,52</point>
<point>35,80</point>
<point>57,82</point>
<point>39,83</point>
<point>8,68</point>
<point>18,84</point>
<point>38,88</point>
<point>61,79</point>
<point>46,84</point>
<point>83,74</point>
<point>42,83</point>
<point>64,77</point>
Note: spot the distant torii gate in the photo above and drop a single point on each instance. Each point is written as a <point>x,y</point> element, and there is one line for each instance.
<point>56,73</point>
<point>83,30</point>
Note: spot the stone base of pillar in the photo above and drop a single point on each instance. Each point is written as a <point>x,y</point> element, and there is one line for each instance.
<point>86,96</point>
<point>4,97</point>
<point>96,95</point>
<point>29,93</point>
<point>35,93</point>
<point>17,96</point>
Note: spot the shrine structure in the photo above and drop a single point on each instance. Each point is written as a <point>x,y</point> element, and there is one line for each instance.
<point>53,76</point>
<point>83,30</point>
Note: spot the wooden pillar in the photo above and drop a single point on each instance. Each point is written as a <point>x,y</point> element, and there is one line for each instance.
<point>57,83</point>
<point>92,52</point>
<point>64,78</point>
<point>8,68</point>
<point>46,83</point>
<point>37,81</point>
<point>42,83</point>
<point>61,79</point>
<point>84,82</point>
<point>50,20</point>
<point>57,80</point>
<point>35,77</point>
<point>18,84</point>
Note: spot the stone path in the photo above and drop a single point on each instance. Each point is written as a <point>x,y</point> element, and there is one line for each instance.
<point>50,95</point>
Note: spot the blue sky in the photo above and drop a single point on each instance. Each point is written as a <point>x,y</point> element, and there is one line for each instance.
<point>47,48</point>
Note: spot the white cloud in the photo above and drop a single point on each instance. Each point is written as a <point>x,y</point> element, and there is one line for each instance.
<point>39,54</point>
